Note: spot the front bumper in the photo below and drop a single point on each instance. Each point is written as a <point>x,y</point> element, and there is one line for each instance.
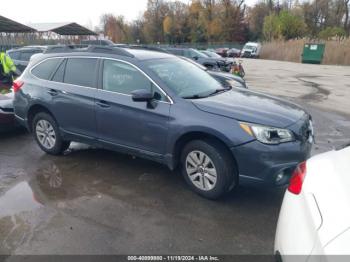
<point>248,54</point>
<point>264,164</point>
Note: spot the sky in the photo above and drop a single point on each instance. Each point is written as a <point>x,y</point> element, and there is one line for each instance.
<point>86,12</point>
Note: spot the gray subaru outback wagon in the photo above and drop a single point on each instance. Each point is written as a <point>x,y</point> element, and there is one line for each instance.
<point>158,106</point>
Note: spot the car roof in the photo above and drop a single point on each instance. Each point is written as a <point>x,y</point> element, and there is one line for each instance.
<point>102,51</point>
<point>148,54</point>
<point>252,43</point>
<point>178,48</point>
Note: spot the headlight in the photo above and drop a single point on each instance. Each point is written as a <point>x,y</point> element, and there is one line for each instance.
<point>268,135</point>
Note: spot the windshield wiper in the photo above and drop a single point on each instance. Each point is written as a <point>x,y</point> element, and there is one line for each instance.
<point>220,90</point>
<point>194,97</point>
<point>198,96</point>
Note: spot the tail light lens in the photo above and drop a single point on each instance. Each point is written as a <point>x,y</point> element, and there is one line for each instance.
<point>17,85</point>
<point>296,182</point>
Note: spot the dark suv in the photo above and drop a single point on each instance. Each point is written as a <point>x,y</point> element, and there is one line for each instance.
<point>21,56</point>
<point>161,107</point>
<point>209,62</point>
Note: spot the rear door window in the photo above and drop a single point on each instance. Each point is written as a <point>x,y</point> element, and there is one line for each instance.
<point>45,69</point>
<point>81,72</point>
<point>59,74</point>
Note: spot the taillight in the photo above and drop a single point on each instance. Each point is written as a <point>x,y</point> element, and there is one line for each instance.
<point>17,85</point>
<point>296,182</point>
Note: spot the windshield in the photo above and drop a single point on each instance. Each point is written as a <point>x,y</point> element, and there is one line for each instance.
<point>196,53</point>
<point>249,47</point>
<point>212,54</point>
<point>195,63</point>
<point>185,79</point>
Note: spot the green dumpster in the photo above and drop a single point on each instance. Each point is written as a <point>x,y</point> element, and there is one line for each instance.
<point>313,53</point>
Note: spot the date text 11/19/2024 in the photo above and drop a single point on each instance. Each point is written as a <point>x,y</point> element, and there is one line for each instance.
<point>173,258</point>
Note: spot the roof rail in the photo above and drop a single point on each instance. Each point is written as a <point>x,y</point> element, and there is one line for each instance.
<point>60,49</point>
<point>147,47</point>
<point>109,50</point>
<point>90,49</point>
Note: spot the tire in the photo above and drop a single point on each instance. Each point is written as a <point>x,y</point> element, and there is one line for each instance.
<point>201,178</point>
<point>46,133</point>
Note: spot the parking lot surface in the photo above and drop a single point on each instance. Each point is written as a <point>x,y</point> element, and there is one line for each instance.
<point>93,201</point>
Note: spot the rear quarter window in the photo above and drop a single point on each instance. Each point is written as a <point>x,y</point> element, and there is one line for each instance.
<point>45,69</point>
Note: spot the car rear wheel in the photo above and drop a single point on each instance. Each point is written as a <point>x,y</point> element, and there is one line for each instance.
<point>47,135</point>
<point>208,168</point>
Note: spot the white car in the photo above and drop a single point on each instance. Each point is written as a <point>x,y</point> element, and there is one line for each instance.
<point>251,49</point>
<point>314,221</point>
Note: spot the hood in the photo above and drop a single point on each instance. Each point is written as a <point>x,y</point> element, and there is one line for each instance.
<point>212,60</point>
<point>252,107</point>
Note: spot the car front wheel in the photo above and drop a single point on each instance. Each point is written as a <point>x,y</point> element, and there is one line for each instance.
<point>208,168</point>
<point>47,135</point>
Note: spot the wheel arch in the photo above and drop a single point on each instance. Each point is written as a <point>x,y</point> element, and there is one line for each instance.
<point>35,109</point>
<point>185,138</point>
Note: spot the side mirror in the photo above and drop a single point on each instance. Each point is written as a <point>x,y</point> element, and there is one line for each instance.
<point>142,95</point>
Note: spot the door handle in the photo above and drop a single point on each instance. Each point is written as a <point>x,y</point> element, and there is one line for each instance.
<point>53,92</point>
<point>103,104</point>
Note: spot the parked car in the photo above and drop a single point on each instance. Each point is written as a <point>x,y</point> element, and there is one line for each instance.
<point>222,51</point>
<point>251,50</point>
<point>209,62</point>
<point>315,214</point>
<point>160,107</point>
<point>7,117</point>
<point>234,52</point>
<point>146,47</point>
<point>21,56</point>
<point>226,79</point>
<point>211,54</point>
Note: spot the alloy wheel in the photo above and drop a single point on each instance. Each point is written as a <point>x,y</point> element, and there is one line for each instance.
<point>45,133</point>
<point>201,170</point>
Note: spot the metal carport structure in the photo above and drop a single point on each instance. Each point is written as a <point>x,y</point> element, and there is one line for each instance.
<point>61,33</point>
<point>12,32</point>
<point>63,29</point>
<point>9,26</point>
